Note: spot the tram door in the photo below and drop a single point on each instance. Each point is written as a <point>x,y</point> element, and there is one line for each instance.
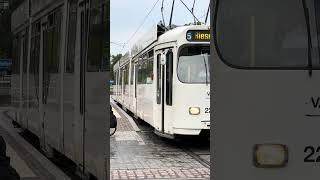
<point>92,92</point>
<point>51,79</point>
<point>84,18</point>
<point>164,89</point>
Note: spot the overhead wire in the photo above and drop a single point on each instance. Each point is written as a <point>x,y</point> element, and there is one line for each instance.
<point>118,44</point>
<point>207,13</point>
<point>172,9</point>
<point>164,24</point>
<point>141,24</point>
<point>194,2</point>
<point>189,10</point>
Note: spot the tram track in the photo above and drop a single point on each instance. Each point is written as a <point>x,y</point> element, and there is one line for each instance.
<point>197,157</point>
<point>182,145</point>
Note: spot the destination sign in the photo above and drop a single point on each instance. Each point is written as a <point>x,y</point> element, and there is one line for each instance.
<point>198,35</point>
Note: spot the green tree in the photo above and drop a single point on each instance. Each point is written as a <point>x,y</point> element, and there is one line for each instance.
<point>114,60</point>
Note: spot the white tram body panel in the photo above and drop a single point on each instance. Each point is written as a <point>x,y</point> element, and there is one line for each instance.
<point>147,75</point>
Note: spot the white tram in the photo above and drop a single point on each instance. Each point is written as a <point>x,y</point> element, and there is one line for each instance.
<point>165,80</point>
<point>266,85</point>
<point>59,78</point>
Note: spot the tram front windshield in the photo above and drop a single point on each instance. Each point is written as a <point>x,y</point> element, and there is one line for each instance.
<point>193,66</point>
<point>263,33</point>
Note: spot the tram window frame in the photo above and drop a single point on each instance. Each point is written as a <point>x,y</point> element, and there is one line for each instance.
<point>231,64</point>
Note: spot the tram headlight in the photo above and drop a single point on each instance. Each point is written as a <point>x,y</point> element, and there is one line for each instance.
<point>194,110</point>
<point>270,156</point>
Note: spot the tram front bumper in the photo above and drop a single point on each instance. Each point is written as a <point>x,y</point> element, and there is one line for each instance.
<point>193,130</point>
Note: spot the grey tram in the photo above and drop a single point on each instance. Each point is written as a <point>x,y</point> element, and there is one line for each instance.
<point>59,78</point>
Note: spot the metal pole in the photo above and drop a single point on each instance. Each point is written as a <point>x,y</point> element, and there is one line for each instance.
<point>171,13</point>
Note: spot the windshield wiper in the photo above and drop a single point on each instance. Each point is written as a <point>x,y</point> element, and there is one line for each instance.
<point>205,65</point>
<point>307,17</point>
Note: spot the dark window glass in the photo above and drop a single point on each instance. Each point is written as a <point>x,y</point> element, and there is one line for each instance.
<point>169,73</point>
<point>106,46</point>
<point>158,78</point>
<point>72,32</point>
<point>145,72</point>
<point>260,33</point>
<point>16,56</point>
<point>25,51</point>
<point>317,14</point>
<point>52,43</point>
<point>34,64</point>
<point>132,74</point>
<point>96,62</point>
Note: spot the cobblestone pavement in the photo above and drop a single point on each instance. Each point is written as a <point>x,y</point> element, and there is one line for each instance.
<point>122,125</point>
<point>144,155</point>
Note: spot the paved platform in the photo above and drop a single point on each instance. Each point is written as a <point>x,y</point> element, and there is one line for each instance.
<point>28,161</point>
<point>143,155</point>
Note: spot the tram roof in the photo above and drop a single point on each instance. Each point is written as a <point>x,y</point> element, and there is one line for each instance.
<point>173,35</point>
<point>179,33</point>
<point>154,37</point>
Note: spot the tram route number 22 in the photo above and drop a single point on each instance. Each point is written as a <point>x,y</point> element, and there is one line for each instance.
<point>312,154</point>
<point>206,110</point>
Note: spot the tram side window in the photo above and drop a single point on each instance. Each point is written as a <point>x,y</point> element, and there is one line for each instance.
<point>52,43</point>
<point>34,59</point>
<point>106,26</point>
<point>132,74</point>
<point>25,51</point>
<point>96,62</point>
<point>145,72</point>
<point>16,56</point>
<point>127,75</point>
<point>120,81</point>
<point>269,34</point>
<point>35,49</point>
<point>141,69</point>
<point>115,77</point>
<point>72,32</point>
<point>126,78</point>
<point>149,70</point>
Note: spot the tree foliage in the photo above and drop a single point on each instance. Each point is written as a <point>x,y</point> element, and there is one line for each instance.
<point>114,60</point>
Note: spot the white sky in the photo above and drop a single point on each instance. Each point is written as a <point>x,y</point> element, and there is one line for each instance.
<point>127,15</point>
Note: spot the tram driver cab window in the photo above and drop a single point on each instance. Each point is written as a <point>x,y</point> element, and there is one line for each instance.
<point>266,34</point>
<point>193,66</point>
